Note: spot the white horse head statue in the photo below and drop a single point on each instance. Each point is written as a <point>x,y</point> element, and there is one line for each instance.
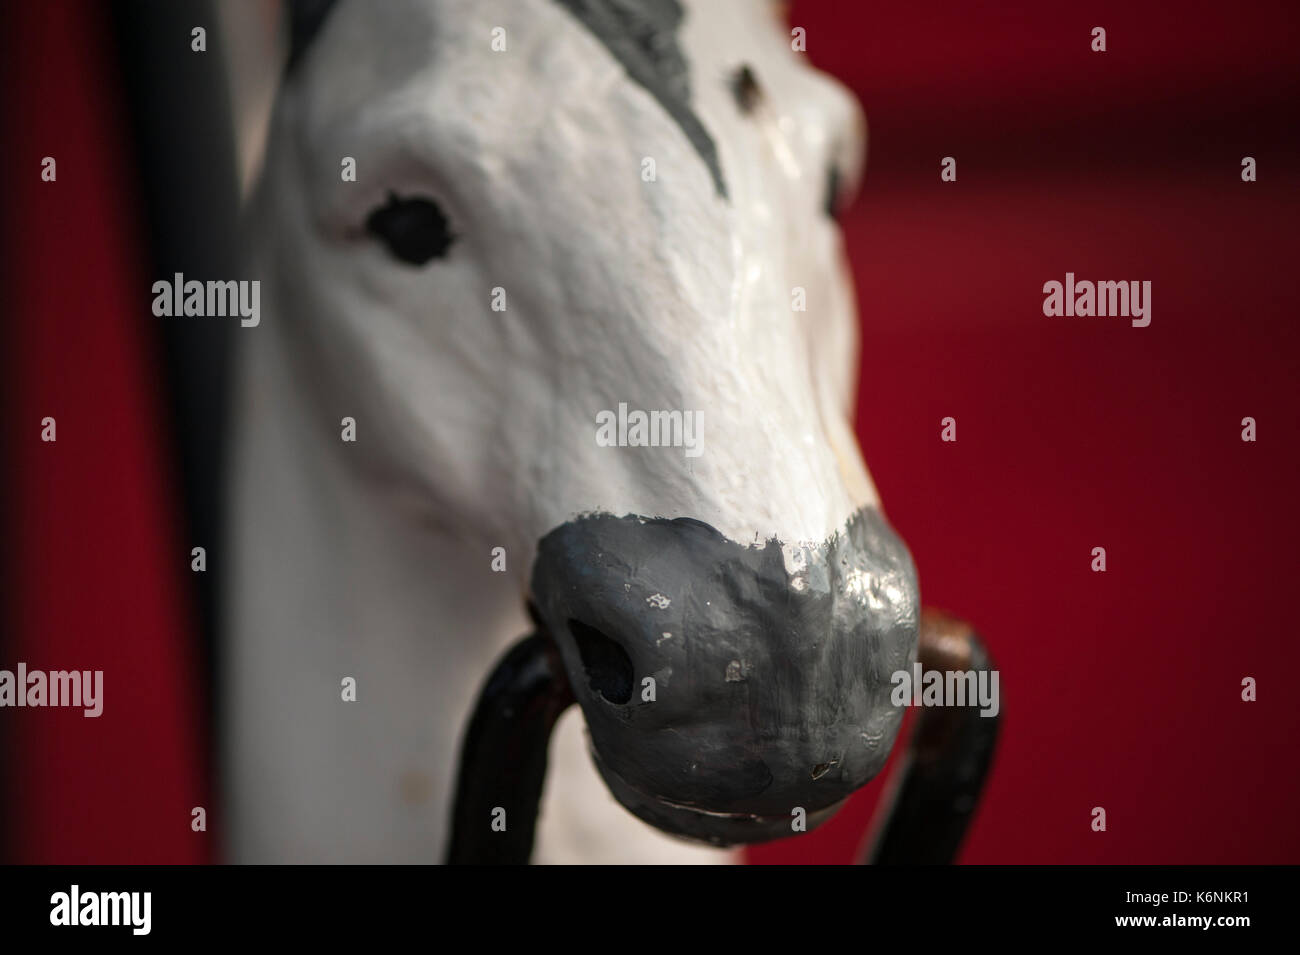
<point>578,335</point>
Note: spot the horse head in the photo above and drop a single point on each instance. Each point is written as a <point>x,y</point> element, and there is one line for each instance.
<point>588,290</point>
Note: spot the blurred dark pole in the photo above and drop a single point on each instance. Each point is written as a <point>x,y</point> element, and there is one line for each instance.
<point>184,157</point>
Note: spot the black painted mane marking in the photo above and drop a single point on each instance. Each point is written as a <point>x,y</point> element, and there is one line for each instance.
<point>305,20</point>
<point>641,34</point>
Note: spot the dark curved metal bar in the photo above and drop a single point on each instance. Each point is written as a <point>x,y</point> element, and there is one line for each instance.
<point>925,817</point>
<point>503,757</point>
<point>922,820</point>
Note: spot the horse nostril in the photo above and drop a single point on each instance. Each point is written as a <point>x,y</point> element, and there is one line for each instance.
<point>608,667</point>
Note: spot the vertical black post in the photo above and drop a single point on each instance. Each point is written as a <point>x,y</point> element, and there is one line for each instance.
<point>184,158</point>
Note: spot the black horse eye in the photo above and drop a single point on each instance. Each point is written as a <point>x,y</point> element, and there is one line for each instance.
<point>830,201</point>
<point>415,230</point>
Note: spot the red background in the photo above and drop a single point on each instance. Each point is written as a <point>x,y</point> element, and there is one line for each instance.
<point>1119,690</point>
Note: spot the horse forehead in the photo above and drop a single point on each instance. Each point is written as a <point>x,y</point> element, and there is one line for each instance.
<point>556,99</point>
<point>487,52</point>
<point>475,27</point>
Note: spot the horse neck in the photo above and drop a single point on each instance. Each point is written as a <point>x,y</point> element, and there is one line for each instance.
<point>331,579</point>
